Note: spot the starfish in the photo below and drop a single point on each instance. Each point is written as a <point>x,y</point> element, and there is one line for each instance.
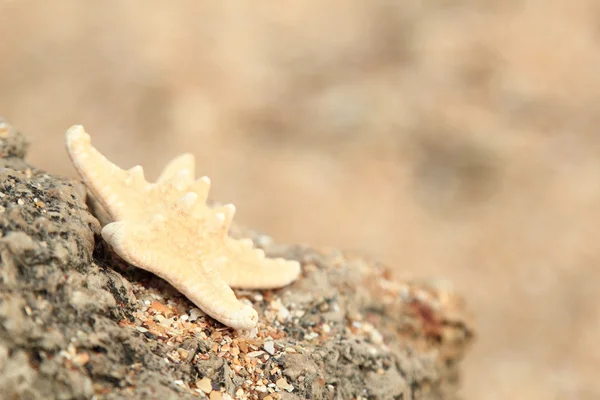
<point>167,228</point>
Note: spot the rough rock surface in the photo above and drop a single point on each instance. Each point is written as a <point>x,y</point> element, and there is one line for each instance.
<point>76,322</point>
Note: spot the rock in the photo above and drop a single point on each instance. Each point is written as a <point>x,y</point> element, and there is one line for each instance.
<point>12,143</point>
<point>77,322</point>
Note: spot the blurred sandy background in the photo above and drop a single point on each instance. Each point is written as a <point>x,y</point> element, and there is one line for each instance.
<point>454,139</point>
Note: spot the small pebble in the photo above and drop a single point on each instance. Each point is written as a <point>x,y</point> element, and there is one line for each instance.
<point>205,385</point>
<point>283,314</point>
<point>214,395</point>
<point>282,383</point>
<point>183,353</point>
<point>269,347</point>
<point>195,313</point>
<point>261,389</point>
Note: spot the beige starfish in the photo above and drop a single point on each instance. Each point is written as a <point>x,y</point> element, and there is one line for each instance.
<point>167,228</point>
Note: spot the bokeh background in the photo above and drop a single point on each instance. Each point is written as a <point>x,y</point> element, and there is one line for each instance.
<point>450,139</point>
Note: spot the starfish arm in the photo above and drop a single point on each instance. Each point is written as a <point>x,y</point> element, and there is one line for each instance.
<point>249,269</point>
<point>116,189</point>
<point>196,275</point>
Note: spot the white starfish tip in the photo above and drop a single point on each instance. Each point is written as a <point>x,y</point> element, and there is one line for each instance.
<point>296,267</point>
<point>136,170</point>
<point>76,130</point>
<point>135,175</point>
<point>188,200</point>
<point>245,318</point>
<point>76,133</point>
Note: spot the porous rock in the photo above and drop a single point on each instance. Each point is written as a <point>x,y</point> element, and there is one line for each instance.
<point>78,323</point>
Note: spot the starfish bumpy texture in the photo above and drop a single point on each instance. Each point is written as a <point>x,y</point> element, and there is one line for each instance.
<point>166,228</point>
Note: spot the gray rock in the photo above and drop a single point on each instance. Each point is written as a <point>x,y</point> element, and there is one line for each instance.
<point>76,322</point>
